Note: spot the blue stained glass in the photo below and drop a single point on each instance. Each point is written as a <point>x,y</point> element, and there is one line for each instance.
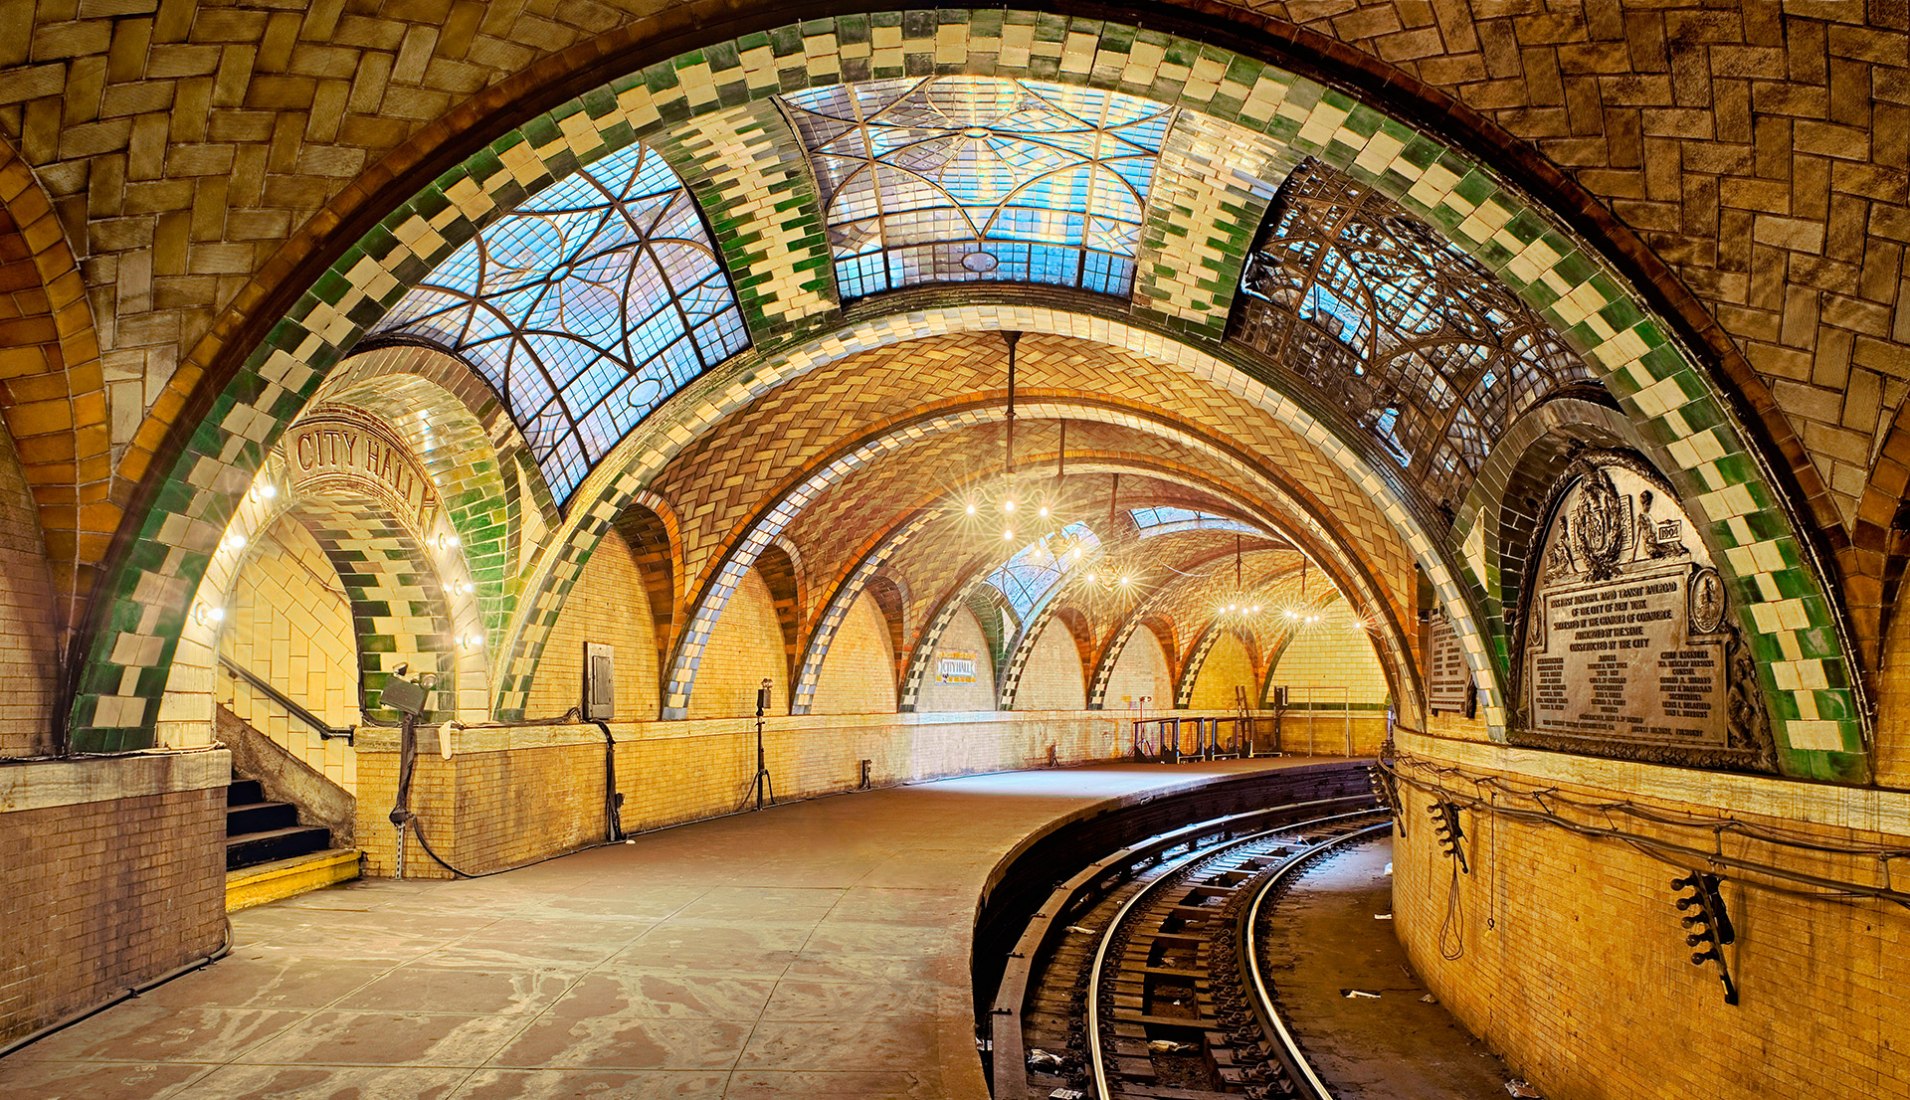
<point>1037,567</point>
<point>585,308</point>
<point>960,179</point>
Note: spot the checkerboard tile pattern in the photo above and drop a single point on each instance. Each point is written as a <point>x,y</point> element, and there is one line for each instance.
<point>1211,192</point>
<point>1793,623</point>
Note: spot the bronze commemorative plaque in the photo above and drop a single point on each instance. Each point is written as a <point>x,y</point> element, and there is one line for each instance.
<point>1626,648</point>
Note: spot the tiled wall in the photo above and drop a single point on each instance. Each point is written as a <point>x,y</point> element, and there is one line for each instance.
<point>1571,960</point>
<point>1228,666</point>
<point>289,622</point>
<point>29,646</point>
<point>607,605</point>
<point>745,648</point>
<point>1053,678</point>
<point>1140,670</point>
<point>114,873</point>
<point>964,635</point>
<point>1332,662</point>
<point>859,675</point>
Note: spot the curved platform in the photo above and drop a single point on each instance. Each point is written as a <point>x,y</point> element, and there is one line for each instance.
<point>816,949</point>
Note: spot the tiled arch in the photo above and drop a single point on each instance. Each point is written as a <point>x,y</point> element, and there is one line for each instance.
<point>461,434</point>
<point>1795,621</point>
<point>52,390</point>
<point>1520,468</point>
<point>1147,611</point>
<point>885,548</point>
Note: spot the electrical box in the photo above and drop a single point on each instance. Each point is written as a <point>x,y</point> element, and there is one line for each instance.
<point>600,682</point>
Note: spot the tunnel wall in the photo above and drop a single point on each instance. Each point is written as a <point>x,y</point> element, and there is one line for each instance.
<point>609,608</point>
<point>962,638</point>
<point>1566,953</point>
<point>858,675</point>
<point>1228,666</point>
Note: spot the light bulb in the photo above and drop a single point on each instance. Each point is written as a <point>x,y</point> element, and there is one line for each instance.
<point>1008,536</point>
<point>1255,609</point>
<point>1292,614</point>
<point>971,509</point>
<point>235,541</point>
<point>1008,505</point>
<point>268,490</point>
<point>1126,580</point>
<point>1044,511</point>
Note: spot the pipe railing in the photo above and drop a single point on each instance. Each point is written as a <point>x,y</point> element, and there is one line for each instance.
<point>326,731</point>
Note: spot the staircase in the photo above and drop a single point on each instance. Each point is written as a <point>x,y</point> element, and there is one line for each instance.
<point>257,831</point>
<point>269,855</point>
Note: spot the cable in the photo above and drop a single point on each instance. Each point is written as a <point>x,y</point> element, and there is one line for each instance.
<point>225,948</point>
<point>1452,932</point>
<point>1664,850</point>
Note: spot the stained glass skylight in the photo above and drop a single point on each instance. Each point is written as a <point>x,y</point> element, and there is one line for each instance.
<point>586,307</point>
<point>961,178</point>
<point>1167,519</point>
<point>1422,345</point>
<point>1037,567</point>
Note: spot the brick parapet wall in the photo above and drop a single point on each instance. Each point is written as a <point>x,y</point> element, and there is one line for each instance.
<point>1573,965</point>
<point>510,796</point>
<point>114,874</point>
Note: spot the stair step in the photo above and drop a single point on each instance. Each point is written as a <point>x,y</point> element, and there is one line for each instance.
<point>284,878</point>
<point>241,791</point>
<point>259,817</point>
<point>253,849</point>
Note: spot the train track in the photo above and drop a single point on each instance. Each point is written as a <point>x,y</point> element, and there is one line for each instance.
<point>1141,978</point>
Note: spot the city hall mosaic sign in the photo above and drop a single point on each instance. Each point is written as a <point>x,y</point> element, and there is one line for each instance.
<point>340,448</point>
<point>1626,647</point>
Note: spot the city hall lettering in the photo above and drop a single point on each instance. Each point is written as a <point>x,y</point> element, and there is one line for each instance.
<point>340,448</point>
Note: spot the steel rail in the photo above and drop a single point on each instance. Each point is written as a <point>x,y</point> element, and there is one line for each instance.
<point>1120,918</point>
<point>1297,1065</point>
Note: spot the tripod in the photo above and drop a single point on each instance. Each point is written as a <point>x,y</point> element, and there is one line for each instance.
<point>762,782</point>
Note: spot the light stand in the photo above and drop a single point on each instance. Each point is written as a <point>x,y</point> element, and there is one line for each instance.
<point>762,780</point>
<point>408,699</point>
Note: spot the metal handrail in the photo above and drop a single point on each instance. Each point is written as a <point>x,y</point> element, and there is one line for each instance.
<point>257,683</point>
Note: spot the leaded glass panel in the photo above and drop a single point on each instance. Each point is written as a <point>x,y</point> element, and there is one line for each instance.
<point>1166,519</point>
<point>1037,567</point>
<point>585,307</point>
<point>962,179</point>
<point>1425,348</point>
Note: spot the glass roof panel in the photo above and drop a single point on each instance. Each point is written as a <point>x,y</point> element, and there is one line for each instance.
<point>585,307</point>
<point>1167,519</point>
<point>962,179</point>
<point>1420,344</point>
<point>1037,567</point>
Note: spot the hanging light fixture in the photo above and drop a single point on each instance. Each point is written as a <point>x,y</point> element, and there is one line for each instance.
<point>1008,460</point>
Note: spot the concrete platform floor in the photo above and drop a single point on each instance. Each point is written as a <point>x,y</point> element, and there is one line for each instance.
<point>816,949</point>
